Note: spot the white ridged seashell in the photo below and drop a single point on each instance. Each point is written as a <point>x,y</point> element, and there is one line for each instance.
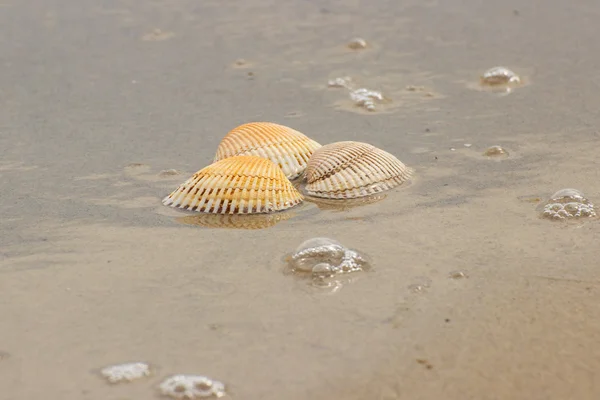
<point>346,170</point>
<point>285,146</point>
<point>236,185</point>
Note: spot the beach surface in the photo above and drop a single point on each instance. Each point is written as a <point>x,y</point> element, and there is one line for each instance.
<point>107,106</point>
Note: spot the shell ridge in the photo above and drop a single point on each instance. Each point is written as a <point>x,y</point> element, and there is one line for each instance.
<point>343,157</point>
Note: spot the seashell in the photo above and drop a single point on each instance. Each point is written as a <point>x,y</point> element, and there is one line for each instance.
<point>236,185</point>
<point>346,170</point>
<point>284,146</point>
<point>235,221</point>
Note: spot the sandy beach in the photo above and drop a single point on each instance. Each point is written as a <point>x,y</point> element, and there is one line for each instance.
<point>107,106</point>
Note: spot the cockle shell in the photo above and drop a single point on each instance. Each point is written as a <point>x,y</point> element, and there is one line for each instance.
<point>284,146</point>
<point>346,170</point>
<point>236,185</point>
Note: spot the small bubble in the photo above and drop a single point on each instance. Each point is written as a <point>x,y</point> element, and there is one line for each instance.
<point>458,275</point>
<point>499,76</point>
<point>420,285</point>
<point>240,62</point>
<point>468,145</point>
<point>125,372</point>
<point>417,288</point>
<point>322,269</point>
<point>191,387</point>
<point>357,44</point>
<point>495,151</point>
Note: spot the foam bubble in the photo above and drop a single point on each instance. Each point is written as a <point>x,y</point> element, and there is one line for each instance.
<point>568,204</point>
<point>125,372</point>
<point>322,255</point>
<point>191,387</point>
<point>366,98</point>
<point>499,76</point>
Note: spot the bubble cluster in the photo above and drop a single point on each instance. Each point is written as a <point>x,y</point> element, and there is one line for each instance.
<point>125,372</point>
<point>191,387</point>
<point>361,97</point>
<point>324,257</point>
<point>366,98</point>
<point>568,204</point>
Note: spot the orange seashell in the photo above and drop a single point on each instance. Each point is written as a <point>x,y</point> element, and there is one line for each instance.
<point>346,170</point>
<point>285,146</point>
<point>236,185</point>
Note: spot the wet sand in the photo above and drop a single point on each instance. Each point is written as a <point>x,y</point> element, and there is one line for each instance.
<point>100,97</point>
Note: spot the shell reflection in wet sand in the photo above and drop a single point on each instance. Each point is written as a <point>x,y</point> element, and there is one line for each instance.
<point>235,221</point>
<point>285,146</point>
<point>347,170</point>
<point>346,204</point>
<point>323,260</point>
<point>567,204</point>
<point>236,185</point>
<point>191,387</point>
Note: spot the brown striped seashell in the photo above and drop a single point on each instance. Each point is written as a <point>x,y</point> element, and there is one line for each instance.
<point>236,185</point>
<point>347,170</point>
<point>285,146</point>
